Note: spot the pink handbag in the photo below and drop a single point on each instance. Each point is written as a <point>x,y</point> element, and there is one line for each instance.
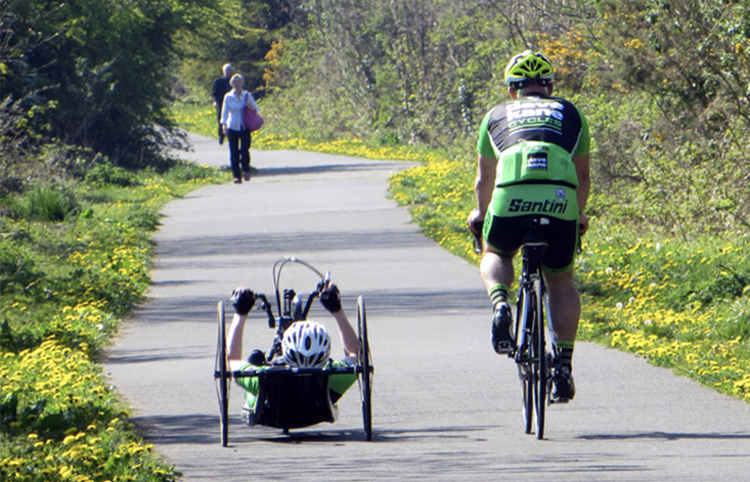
<point>250,118</point>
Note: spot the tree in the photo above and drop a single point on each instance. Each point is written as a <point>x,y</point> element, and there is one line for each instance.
<point>98,72</point>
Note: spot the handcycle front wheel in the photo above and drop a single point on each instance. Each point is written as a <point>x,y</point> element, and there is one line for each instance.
<point>221,374</point>
<point>364,359</point>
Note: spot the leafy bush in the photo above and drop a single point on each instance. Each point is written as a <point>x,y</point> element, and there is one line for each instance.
<point>43,203</point>
<point>109,174</point>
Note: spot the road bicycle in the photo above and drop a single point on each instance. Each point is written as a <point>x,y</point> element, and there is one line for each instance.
<point>531,352</point>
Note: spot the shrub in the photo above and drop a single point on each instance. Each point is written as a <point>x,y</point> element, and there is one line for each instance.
<point>109,174</point>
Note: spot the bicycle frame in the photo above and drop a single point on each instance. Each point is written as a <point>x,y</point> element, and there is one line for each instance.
<point>530,353</point>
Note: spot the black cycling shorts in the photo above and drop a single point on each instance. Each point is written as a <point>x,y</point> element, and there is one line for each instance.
<point>504,235</point>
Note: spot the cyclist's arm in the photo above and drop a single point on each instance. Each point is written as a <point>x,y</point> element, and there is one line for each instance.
<point>486,169</point>
<point>349,338</point>
<point>234,342</point>
<point>483,187</point>
<point>584,186</point>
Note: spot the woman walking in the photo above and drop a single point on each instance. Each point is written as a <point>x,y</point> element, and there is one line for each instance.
<point>235,131</point>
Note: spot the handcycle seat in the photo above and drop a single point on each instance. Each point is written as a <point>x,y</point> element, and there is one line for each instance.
<point>294,398</point>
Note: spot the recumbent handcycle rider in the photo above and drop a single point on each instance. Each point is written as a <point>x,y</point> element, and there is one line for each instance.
<point>305,344</point>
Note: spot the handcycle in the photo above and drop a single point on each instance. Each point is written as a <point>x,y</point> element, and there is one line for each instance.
<point>531,351</point>
<point>292,397</point>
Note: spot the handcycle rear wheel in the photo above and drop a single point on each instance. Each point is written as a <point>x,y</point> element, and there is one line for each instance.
<point>364,359</point>
<point>222,376</point>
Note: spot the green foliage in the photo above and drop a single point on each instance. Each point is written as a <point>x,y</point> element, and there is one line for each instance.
<point>663,85</point>
<point>109,174</point>
<point>685,63</point>
<point>241,33</point>
<point>94,74</point>
<point>43,203</point>
<point>65,283</point>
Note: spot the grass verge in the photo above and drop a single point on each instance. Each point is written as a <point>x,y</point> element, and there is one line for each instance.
<point>74,259</point>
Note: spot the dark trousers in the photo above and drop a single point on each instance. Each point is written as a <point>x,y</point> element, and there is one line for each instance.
<point>239,151</point>
<point>221,128</point>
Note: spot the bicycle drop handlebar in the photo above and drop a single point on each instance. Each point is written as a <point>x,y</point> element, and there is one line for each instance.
<point>478,226</point>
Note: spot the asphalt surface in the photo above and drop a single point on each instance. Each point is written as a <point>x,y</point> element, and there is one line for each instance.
<point>444,405</point>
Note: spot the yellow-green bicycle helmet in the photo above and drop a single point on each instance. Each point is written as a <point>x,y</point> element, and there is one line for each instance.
<point>528,65</point>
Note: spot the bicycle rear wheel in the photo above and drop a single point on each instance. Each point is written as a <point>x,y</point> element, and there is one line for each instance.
<point>221,375</point>
<point>539,357</point>
<point>365,361</point>
<point>523,357</point>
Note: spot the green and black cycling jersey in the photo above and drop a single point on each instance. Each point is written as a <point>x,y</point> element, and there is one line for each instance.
<point>534,140</point>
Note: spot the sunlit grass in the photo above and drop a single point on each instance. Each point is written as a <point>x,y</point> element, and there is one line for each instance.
<point>66,282</point>
<point>202,120</point>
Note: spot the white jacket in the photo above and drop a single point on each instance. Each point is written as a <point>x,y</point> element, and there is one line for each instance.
<point>231,109</point>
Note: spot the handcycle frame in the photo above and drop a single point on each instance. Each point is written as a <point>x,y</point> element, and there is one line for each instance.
<point>277,409</point>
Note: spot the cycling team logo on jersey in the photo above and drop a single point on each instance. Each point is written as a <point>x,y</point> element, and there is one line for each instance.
<point>537,160</point>
<point>547,206</point>
<point>530,114</point>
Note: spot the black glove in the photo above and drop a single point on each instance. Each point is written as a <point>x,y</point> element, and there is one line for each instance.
<point>243,300</point>
<point>330,298</point>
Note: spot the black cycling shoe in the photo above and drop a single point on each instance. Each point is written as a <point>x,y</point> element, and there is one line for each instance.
<point>563,386</point>
<point>502,338</point>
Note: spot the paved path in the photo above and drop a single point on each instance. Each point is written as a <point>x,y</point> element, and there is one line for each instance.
<point>445,407</point>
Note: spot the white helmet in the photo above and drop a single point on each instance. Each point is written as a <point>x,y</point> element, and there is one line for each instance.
<point>306,344</point>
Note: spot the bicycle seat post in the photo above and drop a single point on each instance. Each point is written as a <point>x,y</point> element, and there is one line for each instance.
<point>534,244</point>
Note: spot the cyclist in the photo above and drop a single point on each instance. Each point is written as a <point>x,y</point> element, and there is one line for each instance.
<point>533,160</point>
<point>305,344</point>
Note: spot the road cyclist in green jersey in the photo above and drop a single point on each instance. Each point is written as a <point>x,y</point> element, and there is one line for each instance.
<point>533,160</point>
<point>305,344</point>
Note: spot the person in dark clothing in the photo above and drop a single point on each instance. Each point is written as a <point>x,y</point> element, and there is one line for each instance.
<point>221,87</point>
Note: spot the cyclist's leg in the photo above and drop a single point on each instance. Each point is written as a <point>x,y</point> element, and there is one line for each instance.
<point>565,312</point>
<point>502,240</point>
<point>496,269</point>
<point>564,305</point>
<point>564,302</point>
<point>497,273</point>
